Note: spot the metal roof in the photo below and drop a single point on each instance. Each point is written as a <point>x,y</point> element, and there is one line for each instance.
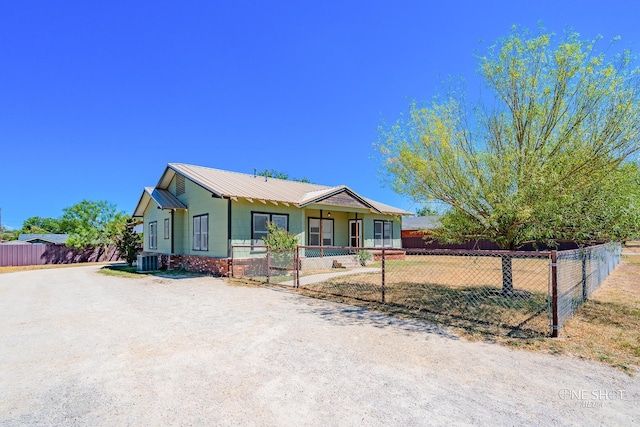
<point>235,185</point>
<point>163,198</point>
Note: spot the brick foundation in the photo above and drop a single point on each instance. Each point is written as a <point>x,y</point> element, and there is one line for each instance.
<point>240,267</point>
<point>389,254</point>
<point>195,263</point>
<point>249,267</point>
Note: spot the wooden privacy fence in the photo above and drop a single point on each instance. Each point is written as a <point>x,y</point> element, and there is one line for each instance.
<point>36,254</point>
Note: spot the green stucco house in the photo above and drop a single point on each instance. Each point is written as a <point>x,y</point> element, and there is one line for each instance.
<point>197,215</point>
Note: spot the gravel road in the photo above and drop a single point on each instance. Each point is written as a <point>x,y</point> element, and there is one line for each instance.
<point>81,348</point>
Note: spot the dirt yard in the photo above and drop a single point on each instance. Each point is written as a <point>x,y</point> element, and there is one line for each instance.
<point>81,348</point>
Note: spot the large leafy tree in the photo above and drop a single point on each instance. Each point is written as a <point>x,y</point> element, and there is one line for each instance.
<point>92,223</point>
<point>549,160</point>
<point>546,156</point>
<point>426,210</point>
<point>39,225</point>
<point>272,173</point>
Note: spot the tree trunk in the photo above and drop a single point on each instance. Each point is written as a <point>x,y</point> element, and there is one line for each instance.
<point>507,276</point>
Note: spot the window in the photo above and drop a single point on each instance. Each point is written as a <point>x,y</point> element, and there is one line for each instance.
<point>153,235</point>
<point>201,232</point>
<point>166,228</point>
<point>260,221</point>
<point>382,233</point>
<point>314,232</point>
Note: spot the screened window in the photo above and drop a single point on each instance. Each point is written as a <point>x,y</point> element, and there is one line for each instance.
<point>201,232</point>
<point>153,235</point>
<point>260,221</point>
<point>383,233</point>
<point>166,228</point>
<point>316,233</point>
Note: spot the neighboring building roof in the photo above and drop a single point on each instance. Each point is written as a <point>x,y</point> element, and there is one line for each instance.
<point>57,239</point>
<point>421,222</point>
<point>235,185</point>
<point>15,242</point>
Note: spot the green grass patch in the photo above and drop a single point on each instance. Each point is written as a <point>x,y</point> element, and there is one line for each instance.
<point>120,270</point>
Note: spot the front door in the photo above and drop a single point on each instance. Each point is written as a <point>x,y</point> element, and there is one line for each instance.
<point>355,233</point>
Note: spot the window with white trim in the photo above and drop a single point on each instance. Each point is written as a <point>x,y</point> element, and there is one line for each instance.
<point>383,233</point>
<point>153,235</point>
<point>201,232</point>
<point>259,221</point>
<point>315,230</point>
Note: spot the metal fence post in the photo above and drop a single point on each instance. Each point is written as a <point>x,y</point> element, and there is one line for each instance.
<point>584,274</point>
<point>296,268</point>
<point>383,273</point>
<point>268,264</point>
<point>554,294</point>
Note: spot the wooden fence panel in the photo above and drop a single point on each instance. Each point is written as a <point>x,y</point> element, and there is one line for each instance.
<point>22,255</point>
<point>416,242</point>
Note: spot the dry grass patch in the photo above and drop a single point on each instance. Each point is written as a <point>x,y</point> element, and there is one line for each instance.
<point>464,271</point>
<point>606,328</point>
<point>279,276</point>
<point>467,289</point>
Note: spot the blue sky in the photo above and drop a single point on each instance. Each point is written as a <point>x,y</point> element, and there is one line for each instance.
<point>97,97</point>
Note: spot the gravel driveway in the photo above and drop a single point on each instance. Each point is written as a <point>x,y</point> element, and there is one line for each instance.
<point>81,348</point>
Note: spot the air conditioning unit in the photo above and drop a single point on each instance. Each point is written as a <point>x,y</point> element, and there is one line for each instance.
<point>147,262</point>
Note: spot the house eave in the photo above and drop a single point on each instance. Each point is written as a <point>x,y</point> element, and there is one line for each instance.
<point>143,202</point>
<point>163,199</point>
<point>170,172</point>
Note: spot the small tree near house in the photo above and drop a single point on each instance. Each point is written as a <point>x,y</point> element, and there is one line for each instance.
<point>282,245</point>
<point>129,243</point>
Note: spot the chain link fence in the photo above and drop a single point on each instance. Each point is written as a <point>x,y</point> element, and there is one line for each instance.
<point>263,264</point>
<point>579,273</point>
<point>516,293</point>
<point>490,288</point>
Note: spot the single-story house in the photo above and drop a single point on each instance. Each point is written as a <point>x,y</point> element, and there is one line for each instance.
<point>196,215</point>
<point>45,239</point>
<point>14,242</point>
